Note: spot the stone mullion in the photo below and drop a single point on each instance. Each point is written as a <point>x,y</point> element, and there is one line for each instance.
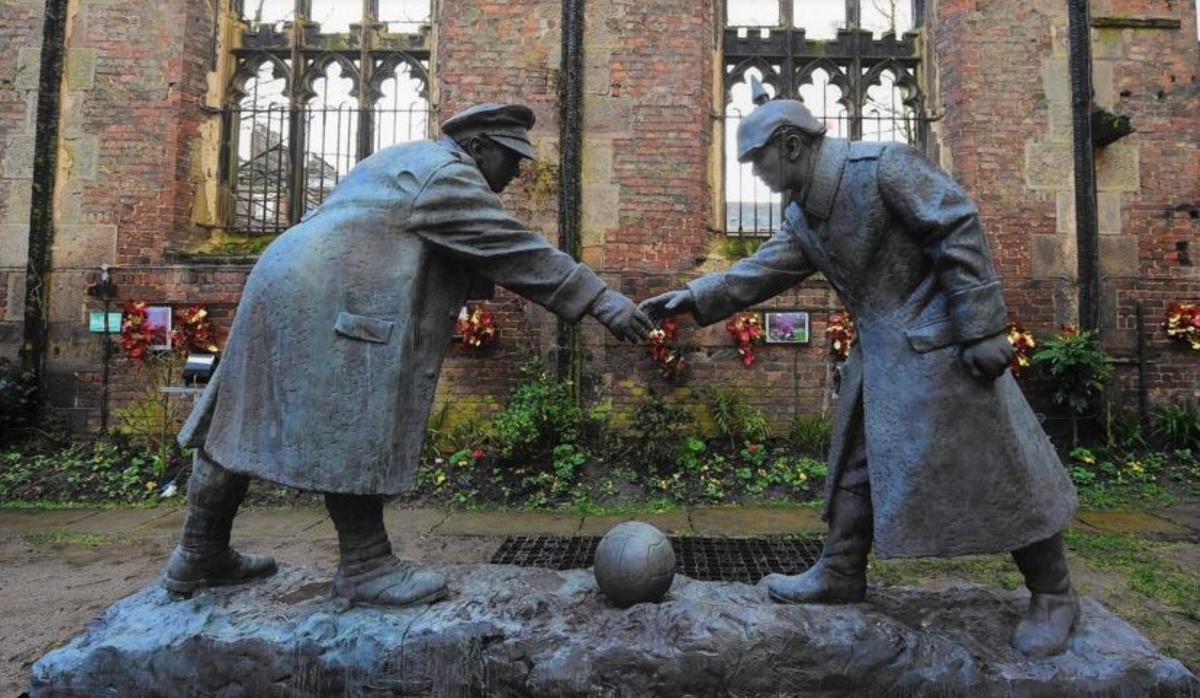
<point>366,73</point>
<point>296,113</point>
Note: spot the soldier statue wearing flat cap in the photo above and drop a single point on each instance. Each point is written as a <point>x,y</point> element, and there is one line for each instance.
<point>329,372</point>
<point>935,450</point>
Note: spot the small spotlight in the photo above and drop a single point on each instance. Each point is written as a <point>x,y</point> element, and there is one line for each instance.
<point>199,368</point>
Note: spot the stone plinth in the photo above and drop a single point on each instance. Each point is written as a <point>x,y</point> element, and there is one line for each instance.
<point>508,631</point>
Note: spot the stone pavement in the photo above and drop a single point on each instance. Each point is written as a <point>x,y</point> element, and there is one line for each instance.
<point>1181,522</point>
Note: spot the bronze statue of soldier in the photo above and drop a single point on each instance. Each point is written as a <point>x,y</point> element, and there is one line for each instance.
<point>935,450</point>
<point>329,372</point>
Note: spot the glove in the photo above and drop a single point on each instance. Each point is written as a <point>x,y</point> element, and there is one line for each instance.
<point>668,304</point>
<point>987,358</point>
<point>621,316</point>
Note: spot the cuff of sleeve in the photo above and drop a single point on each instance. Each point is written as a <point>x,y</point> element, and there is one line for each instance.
<point>978,312</point>
<point>712,305</point>
<point>575,295</point>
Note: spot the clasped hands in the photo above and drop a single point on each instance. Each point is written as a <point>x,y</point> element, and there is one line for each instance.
<point>985,358</point>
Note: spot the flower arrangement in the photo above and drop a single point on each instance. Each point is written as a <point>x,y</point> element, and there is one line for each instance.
<point>670,360</point>
<point>1023,346</point>
<point>138,334</point>
<point>840,331</point>
<point>1182,323</point>
<point>746,330</point>
<point>478,328</point>
<point>193,331</point>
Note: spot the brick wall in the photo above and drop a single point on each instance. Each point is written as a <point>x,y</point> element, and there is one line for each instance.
<point>1006,136</point>
<point>137,151</point>
<point>20,49</point>
<point>133,81</point>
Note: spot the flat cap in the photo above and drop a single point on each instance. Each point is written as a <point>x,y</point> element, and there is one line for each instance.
<point>756,129</point>
<point>507,124</point>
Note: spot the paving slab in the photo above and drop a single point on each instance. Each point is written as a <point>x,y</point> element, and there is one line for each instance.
<point>1133,522</point>
<point>1186,514</point>
<point>755,521</point>
<point>501,523</point>
<point>672,523</point>
<point>290,523</point>
<point>413,522</point>
<point>22,521</point>
<point>118,522</point>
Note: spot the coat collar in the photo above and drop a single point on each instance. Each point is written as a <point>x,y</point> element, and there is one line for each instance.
<point>452,145</point>
<point>828,166</point>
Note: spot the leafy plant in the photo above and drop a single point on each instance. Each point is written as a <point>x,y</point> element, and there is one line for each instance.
<point>540,414</point>
<point>97,471</point>
<point>1125,431</point>
<point>658,434</point>
<point>736,419</point>
<point>810,434</point>
<point>1178,425</point>
<point>1079,368</point>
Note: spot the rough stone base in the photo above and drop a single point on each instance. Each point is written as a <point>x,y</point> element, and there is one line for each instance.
<point>509,631</point>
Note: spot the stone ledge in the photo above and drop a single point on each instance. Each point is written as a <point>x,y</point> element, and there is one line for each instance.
<point>509,631</point>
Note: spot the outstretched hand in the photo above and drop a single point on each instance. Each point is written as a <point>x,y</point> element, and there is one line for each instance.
<point>668,304</point>
<point>987,358</point>
<point>622,318</point>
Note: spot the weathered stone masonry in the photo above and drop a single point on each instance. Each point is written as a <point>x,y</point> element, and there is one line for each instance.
<point>139,132</point>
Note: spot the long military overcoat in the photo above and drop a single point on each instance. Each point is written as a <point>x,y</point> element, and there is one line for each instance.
<point>328,375</point>
<point>957,464</point>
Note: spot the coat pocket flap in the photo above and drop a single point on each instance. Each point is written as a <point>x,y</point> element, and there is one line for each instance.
<point>932,335</point>
<point>368,329</point>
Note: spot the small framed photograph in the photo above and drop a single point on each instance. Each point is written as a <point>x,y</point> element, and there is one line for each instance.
<point>786,326</point>
<point>160,316</point>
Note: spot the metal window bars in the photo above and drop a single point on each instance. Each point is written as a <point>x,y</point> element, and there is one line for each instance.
<point>860,86</point>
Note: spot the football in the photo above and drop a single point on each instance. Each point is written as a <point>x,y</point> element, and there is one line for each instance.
<point>634,564</point>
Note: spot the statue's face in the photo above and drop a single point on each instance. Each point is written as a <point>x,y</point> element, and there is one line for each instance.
<point>767,164</point>
<point>781,163</point>
<point>498,164</point>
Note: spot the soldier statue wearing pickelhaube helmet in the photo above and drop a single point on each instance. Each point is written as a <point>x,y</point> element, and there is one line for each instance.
<point>329,373</point>
<point>935,451</point>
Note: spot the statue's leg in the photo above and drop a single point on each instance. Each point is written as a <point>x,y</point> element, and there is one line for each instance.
<point>840,576</point>
<point>203,557</point>
<point>1053,605</point>
<point>368,572</point>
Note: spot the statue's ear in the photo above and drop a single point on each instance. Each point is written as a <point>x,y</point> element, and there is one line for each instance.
<point>474,146</point>
<point>793,147</point>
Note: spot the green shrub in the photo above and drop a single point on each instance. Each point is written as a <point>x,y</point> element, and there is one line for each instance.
<point>1079,369</point>
<point>736,419</point>
<point>540,414</point>
<point>658,431</point>
<point>1178,425</point>
<point>810,435</point>
<point>1125,431</point>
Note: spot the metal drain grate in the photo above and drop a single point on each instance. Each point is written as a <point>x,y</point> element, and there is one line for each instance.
<point>707,559</point>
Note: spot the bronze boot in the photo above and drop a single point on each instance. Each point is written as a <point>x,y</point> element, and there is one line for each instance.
<point>203,557</point>
<point>368,572</point>
<point>1046,626</point>
<point>840,576</point>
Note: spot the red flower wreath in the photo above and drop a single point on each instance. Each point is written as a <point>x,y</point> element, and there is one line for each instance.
<point>669,359</point>
<point>137,334</point>
<point>193,331</point>
<point>1182,322</point>
<point>841,332</point>
<point>478,328</point>
<point>746,331</point>
<point>1023,346</point>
